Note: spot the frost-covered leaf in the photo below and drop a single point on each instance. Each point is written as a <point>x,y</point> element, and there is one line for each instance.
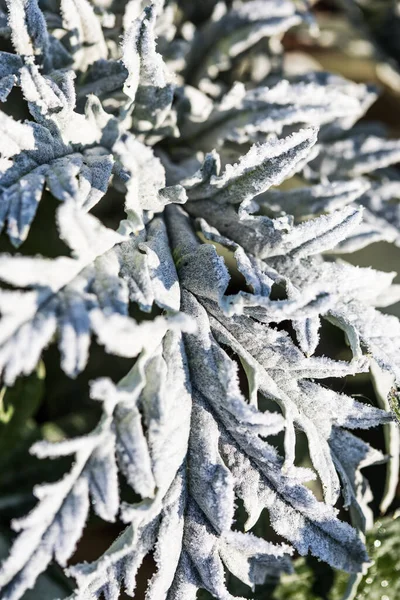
<point>205,515</point>
<point>243,446</point>
<point>382,209</point>
<point>364,93</point>
<point>295,514</point>
<point>51,99</point>
<point>30,37</point>
<point>102,78</point>
<point>147,83</point>
<point>263,166</point>
<point>249,115</point>
<point>382,542</point>
<point>310,200</point>
<point>232,32</point>
<point>28,29</point>
<point>355,156</point>
<point>85,40</point>
<point>70,296</point>
<point>244,278</point>
<point>45,158</point>
<point>15,137</point>
<point>53,527</point>
<point>383,387</point>
<point>144,177</point>
<point>366,327</point>
<point>350,455</point>
<point>190,555</point>
<point>148,268</point>
<point>339,279</point>
<point>9,71</point>
<point>199,506</point>
<point>301,401</point>
<point>340,284</point>
<point>205,274</point>
<point>265,237</point>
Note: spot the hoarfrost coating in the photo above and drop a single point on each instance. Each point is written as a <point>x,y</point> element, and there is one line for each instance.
<point>141,98</point>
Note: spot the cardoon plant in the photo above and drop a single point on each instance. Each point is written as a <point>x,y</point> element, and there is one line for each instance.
<point>203,191</point>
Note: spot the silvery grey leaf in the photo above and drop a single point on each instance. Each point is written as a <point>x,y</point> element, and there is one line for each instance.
<point>196,556</point>
<point>46,158</point>
<point>6,85</point>
<point>355,156</point>
<point>147,83</point>
<point>50,98</point>
<point>106,129</point>
<point>28,29</point>
<point>339,411</point>
<point>233,32</point>
<point>236,432</point>
<point>265,237</point>
<point>383,384</point>
<point>9,71</point>
<point>55,524</point>
<point>365,94</point>
<point>53,527</point>
<point>144,178</point>
<point>154,396</point>
<point>85,40</point>
<point>337,278</point>
<point>30,37</point>
<point>73,296</point>
<point>263,166</point>
<point>15,137</point>
<point>307,334</point>
<point>201,489</point>
<point>351,455</point>
<point>143,417</point>
<point>295,514</point>
<point>94,177</point>
<point>217,374</point>
<point>278,395</point>
<point>148,268</point>
<point>319,235</point>
<point>376,332</point>
<point>203,272</point>
<point>369,231</point>
<point>340,282</point>
<point>103,77</point>
<point>51,101</point>
<point>382,208</point>
<point>298,399</point>
<point>246,116</point>
<point>310,200</point>
<point>225,396</point>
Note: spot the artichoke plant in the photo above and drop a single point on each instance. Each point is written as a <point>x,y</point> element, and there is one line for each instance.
<point>204,190</point>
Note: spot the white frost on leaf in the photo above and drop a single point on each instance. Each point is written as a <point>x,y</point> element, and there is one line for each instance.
<point>245,279</point>
<point>70,296</point>
<point>263,166</point>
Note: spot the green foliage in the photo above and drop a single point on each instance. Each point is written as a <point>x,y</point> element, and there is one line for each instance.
<point>18,404</point>
<point>380,582</point>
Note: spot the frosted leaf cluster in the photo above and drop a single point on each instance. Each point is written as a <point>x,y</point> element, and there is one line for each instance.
<point>233,275</point>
